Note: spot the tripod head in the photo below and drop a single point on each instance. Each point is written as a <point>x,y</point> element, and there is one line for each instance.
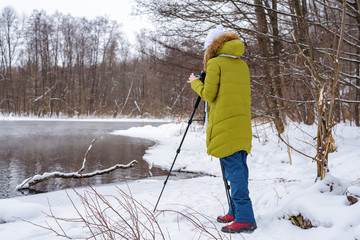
<point>201,76</point>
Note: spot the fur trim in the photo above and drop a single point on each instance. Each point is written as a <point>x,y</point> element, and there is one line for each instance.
<point>216,45</point>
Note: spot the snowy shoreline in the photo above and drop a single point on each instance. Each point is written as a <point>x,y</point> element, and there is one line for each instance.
<point>82,119</point>
<point>277,188</point>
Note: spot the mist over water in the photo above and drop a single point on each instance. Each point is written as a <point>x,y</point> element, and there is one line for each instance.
<point>34,147</point>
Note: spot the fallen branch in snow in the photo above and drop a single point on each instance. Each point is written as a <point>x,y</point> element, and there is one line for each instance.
<point>31,181</point>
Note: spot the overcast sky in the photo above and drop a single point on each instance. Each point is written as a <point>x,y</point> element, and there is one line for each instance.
<point>118,10</point>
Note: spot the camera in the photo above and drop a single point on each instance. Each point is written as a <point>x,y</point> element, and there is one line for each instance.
<point>201,76</point>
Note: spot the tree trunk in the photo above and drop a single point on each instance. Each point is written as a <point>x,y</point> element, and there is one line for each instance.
<point>264,45</point>
<point>357,91</point>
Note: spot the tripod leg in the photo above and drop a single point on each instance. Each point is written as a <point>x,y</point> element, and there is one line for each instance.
<point>227,188</point>
<point>179,149</point>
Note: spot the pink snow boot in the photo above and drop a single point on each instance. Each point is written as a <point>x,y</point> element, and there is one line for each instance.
<point>225,219</point>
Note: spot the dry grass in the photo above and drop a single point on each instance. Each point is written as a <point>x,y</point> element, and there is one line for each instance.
<point>121,216</point>
<point>301,221</point>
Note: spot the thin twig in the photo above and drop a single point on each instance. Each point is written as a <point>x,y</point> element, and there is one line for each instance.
<point>295,148</point>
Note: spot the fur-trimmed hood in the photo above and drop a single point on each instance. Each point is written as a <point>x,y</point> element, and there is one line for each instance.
<point>227,43</point>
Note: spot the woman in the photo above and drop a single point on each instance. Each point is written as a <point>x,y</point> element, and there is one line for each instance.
<point>228,135</point>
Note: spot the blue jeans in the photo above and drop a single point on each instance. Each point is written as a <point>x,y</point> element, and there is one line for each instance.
<point>237,173</point>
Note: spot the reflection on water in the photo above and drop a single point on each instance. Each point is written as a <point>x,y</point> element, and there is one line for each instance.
<point>34,147</point>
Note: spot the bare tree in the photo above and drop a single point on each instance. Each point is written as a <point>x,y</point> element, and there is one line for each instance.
<point>75,66</point>
<point>265,28</point>
<point>9,42</point>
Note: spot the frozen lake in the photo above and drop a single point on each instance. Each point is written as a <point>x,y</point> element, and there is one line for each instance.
<point>34,147</point>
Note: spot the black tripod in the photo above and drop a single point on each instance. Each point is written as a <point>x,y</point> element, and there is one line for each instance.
<point>179,149</point>
<point>227,187</point>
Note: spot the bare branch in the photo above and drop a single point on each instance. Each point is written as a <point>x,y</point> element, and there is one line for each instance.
<point>31,181</point>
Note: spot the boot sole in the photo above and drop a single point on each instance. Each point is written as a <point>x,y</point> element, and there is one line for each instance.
<point>248,229</point>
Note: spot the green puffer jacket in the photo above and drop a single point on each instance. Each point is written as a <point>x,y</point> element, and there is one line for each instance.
<point>227,91</point>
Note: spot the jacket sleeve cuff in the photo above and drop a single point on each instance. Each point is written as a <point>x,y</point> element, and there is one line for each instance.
<point>197,85</point>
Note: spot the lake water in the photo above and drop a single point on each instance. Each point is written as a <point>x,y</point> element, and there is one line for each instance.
<point>34,147</point>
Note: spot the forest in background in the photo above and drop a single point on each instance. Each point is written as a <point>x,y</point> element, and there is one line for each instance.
<point>56,65</point>
<point>299,52</point>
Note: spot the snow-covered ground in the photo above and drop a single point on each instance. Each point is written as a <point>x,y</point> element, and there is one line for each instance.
<point>278,189</point>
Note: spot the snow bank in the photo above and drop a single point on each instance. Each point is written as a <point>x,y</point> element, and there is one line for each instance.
<point>12,209</point>
<point>193,155</point>
<point>278,189</point>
